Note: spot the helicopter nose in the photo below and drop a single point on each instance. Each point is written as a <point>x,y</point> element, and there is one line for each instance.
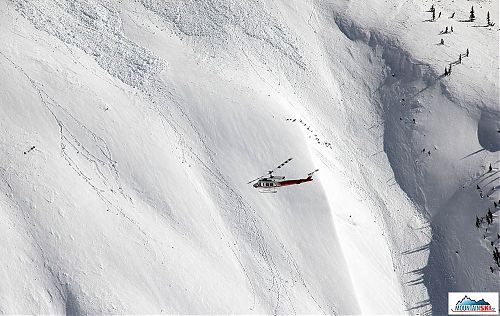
<point>256,184</point>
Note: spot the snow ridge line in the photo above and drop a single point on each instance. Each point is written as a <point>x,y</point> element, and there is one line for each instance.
<point>406,73</point>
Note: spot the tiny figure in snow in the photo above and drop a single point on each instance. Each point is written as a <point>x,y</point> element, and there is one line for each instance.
<point>490,169</point>
<point>491,269</point>
<point>467,53</point>
<point>495,204</point>
<point>33,147</point>
<point>477,187</point>
<point>451,29</point>
<point>449,70</point>
<point>446,30</point>
<point>481,194</point>
<point>460,58</point>
<point>442,42</point>
<point>452,15</point>
<point>445,71</point>
<point>439,14</point>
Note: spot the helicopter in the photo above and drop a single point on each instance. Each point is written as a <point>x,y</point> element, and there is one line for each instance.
<point>269,183</point>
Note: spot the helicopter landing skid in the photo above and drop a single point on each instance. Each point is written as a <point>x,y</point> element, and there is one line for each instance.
<point>268,190</point>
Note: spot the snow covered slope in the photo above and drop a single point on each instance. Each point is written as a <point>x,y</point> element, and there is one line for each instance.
<point>149,117</point>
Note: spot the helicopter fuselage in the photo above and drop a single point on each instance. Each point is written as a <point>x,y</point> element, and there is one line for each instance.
<point>277,182</point>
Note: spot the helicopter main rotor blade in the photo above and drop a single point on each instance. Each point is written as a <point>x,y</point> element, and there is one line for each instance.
<point>279,167</point>
<point>311,173</point>
<point>255,179</point>
<point>271,171</point>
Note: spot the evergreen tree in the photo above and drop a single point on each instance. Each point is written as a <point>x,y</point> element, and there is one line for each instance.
<point>472,17</point>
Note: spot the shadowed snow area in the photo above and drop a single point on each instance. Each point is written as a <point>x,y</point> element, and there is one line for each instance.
<point>129,131</point>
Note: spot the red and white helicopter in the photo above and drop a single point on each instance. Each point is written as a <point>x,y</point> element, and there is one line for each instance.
<point>269,183</point>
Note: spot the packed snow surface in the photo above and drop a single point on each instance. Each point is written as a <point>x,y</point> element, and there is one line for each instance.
<point>129,130</point>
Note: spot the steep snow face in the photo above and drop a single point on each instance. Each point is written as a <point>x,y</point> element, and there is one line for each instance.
<point>149,117</point>
<point>441,133</point>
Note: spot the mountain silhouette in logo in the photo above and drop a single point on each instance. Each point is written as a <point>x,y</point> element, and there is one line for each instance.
<point>468,301</point>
